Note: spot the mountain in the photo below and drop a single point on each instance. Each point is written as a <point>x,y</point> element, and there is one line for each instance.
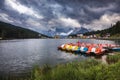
<point>66,31</point>
<point>80,30</point>
<point>61,31</point>
<point>9,31</point>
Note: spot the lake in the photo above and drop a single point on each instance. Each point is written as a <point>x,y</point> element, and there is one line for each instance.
<point>19,56</point>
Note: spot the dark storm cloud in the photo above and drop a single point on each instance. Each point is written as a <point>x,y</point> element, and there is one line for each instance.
<point>42,15</point>
<point>90,9</point>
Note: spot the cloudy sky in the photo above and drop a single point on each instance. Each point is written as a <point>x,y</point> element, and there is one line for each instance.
<point>60,15</point>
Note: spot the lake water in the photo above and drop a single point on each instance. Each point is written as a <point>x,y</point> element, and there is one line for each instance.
<point>19,56</point>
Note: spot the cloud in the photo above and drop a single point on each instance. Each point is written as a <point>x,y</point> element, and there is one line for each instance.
<point>82,12</point>
<point>101,9</point>
<point>64,22</point>
<point>69,9</point>
<point>69,22</point>
<point>32,23</point>
<point>5,17</point>
<point>22,9</point>
<point>104,22</point>
<point>56,9</point>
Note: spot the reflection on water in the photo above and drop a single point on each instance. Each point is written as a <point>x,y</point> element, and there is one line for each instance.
<point>18,56</point>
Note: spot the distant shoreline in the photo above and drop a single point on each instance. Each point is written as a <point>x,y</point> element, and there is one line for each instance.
<point>109,38</point>
<point>63,38</point>
<point>23,38</point>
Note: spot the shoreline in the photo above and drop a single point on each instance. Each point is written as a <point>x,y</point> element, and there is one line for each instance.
<point>104,67</point>
<point>64,38</point>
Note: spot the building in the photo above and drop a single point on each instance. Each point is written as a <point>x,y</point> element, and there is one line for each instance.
<point>79,35</point>
<point>56,36</point>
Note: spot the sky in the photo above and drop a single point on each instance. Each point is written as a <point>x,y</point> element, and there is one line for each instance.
<point>60,15</point>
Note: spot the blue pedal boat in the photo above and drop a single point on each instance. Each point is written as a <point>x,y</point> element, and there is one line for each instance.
<point>116,49</point>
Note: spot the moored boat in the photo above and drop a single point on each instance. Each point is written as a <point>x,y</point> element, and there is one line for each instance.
<point>89,48</point>
<point>116,49</point>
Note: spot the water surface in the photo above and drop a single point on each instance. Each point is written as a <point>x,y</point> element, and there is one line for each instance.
<point>19,56</point>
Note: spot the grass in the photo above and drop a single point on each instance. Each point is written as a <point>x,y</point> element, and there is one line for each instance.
<point>69,71</point>
<point>115,37</point>
<point>86,70</point>
<point>113,58</point>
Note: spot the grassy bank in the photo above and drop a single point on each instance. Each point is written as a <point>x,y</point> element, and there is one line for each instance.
<point>90,69</point>
<point>112,38</point>
<point>86,70</point>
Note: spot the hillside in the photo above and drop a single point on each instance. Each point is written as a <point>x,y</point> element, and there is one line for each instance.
<point>8,31</point>
<point>113,31</point>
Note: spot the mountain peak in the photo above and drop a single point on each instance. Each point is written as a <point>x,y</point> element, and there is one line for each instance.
<point>80,30</point>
